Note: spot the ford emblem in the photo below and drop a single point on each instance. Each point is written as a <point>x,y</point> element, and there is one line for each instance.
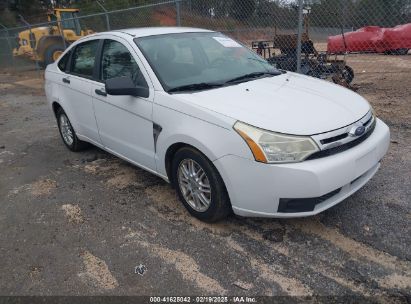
<point>357,131</point>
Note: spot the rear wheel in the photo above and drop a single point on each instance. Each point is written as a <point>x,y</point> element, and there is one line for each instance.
<point>397,52</point>
<point>199,185</point>
<point>68,135</point>
<point>348,74</point>
<point>53,52</point>
<point>401,52</point>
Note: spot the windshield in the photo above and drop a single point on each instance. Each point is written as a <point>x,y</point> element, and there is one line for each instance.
<point>70,23</point>
<point>204,59</point>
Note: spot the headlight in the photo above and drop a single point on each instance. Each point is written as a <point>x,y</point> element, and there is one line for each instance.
<point>270,147</point>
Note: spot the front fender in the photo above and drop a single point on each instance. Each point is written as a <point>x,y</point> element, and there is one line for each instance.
<point>197,128</point>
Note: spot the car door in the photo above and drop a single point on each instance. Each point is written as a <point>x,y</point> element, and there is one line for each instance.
<point>125,122</point>
<point>76,90</point>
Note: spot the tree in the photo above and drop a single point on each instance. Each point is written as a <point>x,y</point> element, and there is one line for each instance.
<point>385,13</point>
<point>242,10</point>
<point>266,13</point>
<point>359,13</point>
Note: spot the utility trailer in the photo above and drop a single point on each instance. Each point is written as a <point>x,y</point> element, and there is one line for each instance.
<point>282,53</point>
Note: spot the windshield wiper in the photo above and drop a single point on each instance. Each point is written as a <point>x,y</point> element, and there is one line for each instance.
<point>196,87</point>
<point>252,76</point>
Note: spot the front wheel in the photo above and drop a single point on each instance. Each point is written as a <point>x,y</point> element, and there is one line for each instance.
<point>199,185</point>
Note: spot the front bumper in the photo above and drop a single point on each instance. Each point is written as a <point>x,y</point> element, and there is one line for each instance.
<point>255,189</point>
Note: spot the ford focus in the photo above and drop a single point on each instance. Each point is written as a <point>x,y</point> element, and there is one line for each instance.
<point>227,130</point>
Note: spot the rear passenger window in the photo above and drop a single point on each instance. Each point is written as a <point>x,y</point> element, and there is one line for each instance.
<point>83,58</point>
<point>117,61</point>
<point>64,61</point>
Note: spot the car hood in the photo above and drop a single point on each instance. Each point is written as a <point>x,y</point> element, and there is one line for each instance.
<point>289,103</point>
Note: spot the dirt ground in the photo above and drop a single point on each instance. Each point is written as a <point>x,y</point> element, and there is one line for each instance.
<point>90,224</point>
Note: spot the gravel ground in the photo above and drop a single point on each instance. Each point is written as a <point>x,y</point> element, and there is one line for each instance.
<point>80,223</point>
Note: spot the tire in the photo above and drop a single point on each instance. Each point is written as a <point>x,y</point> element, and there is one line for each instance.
<point>397,52</point>
<point>63,122</point>
<point>219,203</point>
<point>401,52</point>
<point>348,74</point>
<point>50,53</point>
<point>312,73</point>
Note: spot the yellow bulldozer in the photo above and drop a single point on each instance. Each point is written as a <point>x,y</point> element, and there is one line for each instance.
<point>45,44</point>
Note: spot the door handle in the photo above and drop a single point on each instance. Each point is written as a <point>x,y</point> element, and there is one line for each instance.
<point>100,92</point>
<point>66,80</point>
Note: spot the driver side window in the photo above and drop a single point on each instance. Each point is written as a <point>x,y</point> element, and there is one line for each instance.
<point>116,61</point>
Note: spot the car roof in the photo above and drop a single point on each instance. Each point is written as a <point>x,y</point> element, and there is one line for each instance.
<point>144,32</point>
<point>151,31</point>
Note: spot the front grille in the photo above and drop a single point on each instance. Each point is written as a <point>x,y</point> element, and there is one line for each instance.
<point>344,147</point>
<point>367,122</point>
<point>333,139</point>
<point>328,140</point>
<point>294,205</point>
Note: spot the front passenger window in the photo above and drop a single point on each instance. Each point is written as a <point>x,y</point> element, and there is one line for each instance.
<point>118,62</point>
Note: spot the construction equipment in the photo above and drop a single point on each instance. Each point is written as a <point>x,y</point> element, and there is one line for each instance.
<point>45,44</point>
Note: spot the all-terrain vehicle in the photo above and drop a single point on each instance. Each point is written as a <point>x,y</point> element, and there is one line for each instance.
<point>313,63</point>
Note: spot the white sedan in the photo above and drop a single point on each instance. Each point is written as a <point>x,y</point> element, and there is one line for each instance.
<point>229,131</point>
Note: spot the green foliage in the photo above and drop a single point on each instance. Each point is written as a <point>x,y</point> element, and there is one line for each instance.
<point>359,13</point>
<point>257,13</point>
<point>237,9</point>
<point>242,10</point>
<point>274,14</point>
<point>91,6</point>
<point>382,12</point>
<point>7,18</point>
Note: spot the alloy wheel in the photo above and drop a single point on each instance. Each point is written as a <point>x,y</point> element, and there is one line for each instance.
<point>194,185</point>
<point>66,130</point>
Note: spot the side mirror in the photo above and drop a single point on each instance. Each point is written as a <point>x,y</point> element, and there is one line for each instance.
<point>125,86</point>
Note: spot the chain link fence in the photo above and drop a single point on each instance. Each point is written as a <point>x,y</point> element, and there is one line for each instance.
<point>321,38</point>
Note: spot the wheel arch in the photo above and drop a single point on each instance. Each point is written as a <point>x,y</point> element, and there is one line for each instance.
<point>211,141</point>
<point>174,147</point>
<point>169,155</point>
<point>55,106</point>
<point>59,103</point>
